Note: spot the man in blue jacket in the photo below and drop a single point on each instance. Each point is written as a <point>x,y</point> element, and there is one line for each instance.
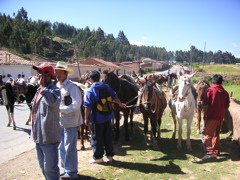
<point>101,139</point>
<point>45,122</point>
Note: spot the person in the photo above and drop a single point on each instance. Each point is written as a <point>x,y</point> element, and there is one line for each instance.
<point>70,120</point>
<point>19,79</point>
<point>45,122</point>
<point>101,136</point>
<point>216,104</point>
<point>1,80</point>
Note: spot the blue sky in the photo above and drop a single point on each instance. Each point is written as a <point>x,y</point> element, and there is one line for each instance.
<point>173,24</point>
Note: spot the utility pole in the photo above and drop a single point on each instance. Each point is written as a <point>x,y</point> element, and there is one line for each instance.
<point>79,72</point>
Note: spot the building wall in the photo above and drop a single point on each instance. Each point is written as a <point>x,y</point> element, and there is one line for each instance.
<point>14,70</point>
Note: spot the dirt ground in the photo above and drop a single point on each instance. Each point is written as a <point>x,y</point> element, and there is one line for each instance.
<point>25,166</point>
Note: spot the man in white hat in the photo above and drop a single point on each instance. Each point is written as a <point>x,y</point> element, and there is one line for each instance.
<point>70,120</point>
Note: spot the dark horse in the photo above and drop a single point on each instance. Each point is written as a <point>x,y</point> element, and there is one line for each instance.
<point>152,104</point>
<point>127,93</point>
<point>170,78</point>
<point>9,98</point>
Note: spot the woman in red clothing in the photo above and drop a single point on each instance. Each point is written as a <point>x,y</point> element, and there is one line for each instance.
<point>216,103</point>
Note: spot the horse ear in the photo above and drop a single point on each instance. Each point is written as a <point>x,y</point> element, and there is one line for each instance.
<point>112,71</point>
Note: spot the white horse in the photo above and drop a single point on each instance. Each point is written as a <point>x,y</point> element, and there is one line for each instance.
<point>182,105</point>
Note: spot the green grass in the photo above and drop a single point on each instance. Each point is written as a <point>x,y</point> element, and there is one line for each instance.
<point>234,88</point>
<point>223,69</point>
<point>137,160</point>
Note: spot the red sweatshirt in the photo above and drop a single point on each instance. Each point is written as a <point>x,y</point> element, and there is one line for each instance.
<point>217,100</point>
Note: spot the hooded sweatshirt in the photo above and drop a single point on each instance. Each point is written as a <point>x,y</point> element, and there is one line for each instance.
<point>91,99</point>
<point>217,100</point>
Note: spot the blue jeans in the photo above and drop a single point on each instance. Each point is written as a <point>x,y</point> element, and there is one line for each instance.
<point>47,155</point>
<point>101,140</point>
<point>68,150</point>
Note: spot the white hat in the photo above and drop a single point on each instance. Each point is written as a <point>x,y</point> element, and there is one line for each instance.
<point>63,66</point>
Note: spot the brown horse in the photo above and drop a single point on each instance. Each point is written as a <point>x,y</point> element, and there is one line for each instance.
<point>152,104</point>
<point>201,89</point>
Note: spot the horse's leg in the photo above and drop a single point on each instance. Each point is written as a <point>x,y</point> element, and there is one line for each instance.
<point>14,124</point>
<point>154,124</point>
<point>145,119</point>
<point>9,117</point>
<point>199,117</point>
<point>81,133</point>
<point>131,118</point>
<point>126,114</point>
<point>117,119</point>
<point>159,126</point>
<point>29,118</point>
<point>179,146</point>
<point>189,122</point>
<point>174,125</point>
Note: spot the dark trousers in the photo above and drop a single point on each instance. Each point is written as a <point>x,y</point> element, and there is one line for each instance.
<point>101,140</point>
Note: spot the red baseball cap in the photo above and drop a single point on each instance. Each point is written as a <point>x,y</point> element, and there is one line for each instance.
<point>45,67</point>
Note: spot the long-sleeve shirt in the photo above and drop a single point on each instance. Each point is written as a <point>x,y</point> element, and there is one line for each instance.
<point>70,115</point>
<point>217,101</point>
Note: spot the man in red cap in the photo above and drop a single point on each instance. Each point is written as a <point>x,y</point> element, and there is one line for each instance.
<point>45,121</point>
<point>216,103</point>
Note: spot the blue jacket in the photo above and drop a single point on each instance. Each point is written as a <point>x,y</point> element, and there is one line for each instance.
<point>91,99</point>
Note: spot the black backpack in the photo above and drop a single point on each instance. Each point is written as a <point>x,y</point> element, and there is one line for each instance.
<point>105,102</point>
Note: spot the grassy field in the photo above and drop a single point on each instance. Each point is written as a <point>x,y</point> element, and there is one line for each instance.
<point>223,69</point>
<point>229,72</point>
<point>138,160</point>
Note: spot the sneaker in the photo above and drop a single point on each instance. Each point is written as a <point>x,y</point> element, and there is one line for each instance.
<point>109,159</point>
<point>208,156</point>
<point>96,161</point>
<point>68,176</point>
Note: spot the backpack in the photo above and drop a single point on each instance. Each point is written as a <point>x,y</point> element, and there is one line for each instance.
<point>104,104</point>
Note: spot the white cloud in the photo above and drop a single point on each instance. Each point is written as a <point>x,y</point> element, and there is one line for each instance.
<point>138,43</point>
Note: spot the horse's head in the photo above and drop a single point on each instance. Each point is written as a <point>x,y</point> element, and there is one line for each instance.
<point>148,94</point>
<point>111,79</point>
<point>184,86</point>
<point>201,89</point>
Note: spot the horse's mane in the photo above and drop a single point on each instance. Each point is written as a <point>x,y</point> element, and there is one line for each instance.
<point>203,82</point>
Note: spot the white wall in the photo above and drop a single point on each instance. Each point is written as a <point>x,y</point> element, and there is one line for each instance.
<point>14,70</point>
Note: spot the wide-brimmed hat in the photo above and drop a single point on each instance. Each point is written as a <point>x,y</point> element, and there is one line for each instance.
<point>63,66</point>
<point>45,67</point>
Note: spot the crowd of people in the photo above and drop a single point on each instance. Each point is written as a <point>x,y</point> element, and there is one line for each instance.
<point>57,116</point>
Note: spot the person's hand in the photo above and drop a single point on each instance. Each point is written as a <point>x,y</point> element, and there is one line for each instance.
<point>123,105</point>
<point>86,122</point>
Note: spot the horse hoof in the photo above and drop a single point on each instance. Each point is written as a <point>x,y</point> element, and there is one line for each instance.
<point>27,123</point>
<point>8,125</point>
<point>14,128</point>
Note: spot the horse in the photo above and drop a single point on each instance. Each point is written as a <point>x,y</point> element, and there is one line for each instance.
<point>201,89</point>
<point>31,89</point>
<point>182,104</point>
<point>127,94</point>
<point>9,98</point>
<point>170,79</point>
<point>162,80</point>
<point>152,105</point>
